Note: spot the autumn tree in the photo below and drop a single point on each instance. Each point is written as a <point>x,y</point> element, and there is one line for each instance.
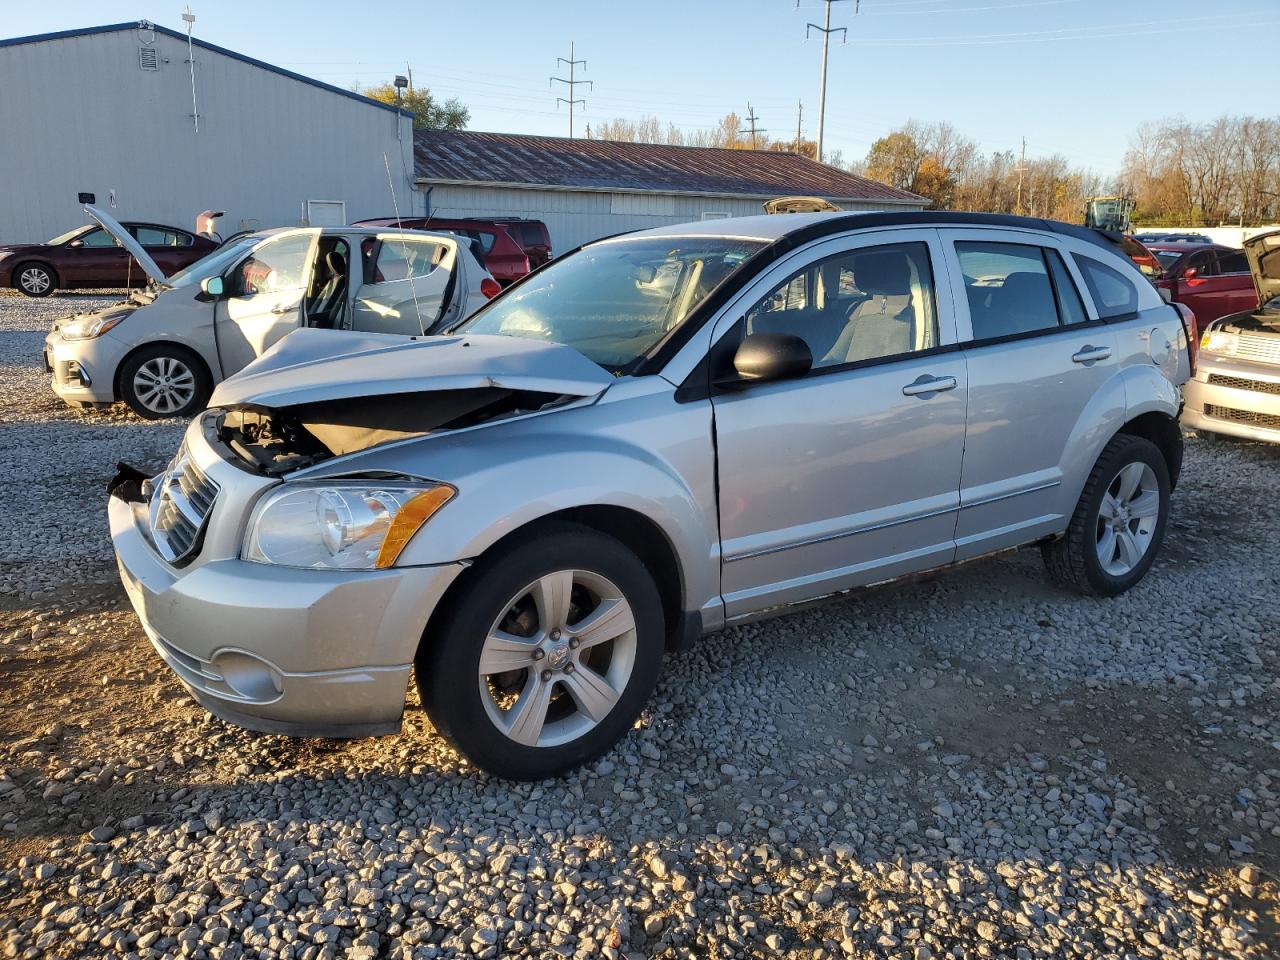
<point>427,110</point>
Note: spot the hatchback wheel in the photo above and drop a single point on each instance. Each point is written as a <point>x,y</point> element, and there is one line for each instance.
<point>546,656</point>
<point>164,381</point>
<point>35,279</point>
<point>1118,524</point>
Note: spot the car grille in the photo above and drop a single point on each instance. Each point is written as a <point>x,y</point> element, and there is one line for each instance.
<point>1244,383</point>
<point>1269,420</point>
<point>180,504</point>
<point>1262,349</point>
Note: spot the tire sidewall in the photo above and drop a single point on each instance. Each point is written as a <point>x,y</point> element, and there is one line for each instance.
<point>448,662</point>
<point>1113,461</point>
<point>48,272</point>
<point>203,384</point>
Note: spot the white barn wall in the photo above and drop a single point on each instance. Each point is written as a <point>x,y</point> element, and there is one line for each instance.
<point>78,114</point>
<point>577,216</point>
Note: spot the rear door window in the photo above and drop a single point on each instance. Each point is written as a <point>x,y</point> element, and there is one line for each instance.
<point>159,237</point>
<point>1008,288</point>
<point>1113,293</point>
<point>405,259</point>
<point>1234,262</point>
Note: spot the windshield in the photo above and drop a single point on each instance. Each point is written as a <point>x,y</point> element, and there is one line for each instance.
<point>69,235</point>
<point>614,301</point>
<point>215,263</point>
<point>1168,258</point>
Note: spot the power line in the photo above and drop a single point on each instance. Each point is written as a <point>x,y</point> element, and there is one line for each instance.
<point>571,84</point>
<point>753,129</point>
<point>826,30</point>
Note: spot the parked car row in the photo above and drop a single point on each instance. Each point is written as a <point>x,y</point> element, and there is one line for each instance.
<point>1210,279</point>
<point>653,437</point>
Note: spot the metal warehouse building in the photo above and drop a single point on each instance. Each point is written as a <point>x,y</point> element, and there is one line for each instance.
<point>586,189</point>
<point>114,111</point>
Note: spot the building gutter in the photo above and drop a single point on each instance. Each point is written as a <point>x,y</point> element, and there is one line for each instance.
<point>515,185</point>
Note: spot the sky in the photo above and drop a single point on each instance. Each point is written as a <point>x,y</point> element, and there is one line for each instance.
<point>1075,77</point>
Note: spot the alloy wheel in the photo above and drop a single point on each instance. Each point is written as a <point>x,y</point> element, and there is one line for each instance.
<point>1127,519</point>
<point>35,280</point>
<point>164,385</point>
<point>556,661</point>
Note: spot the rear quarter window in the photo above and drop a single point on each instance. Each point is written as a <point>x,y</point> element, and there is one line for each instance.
<point>1113,293</point>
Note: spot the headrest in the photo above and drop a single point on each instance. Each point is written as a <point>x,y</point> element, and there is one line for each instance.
<point>336,262</point>
<point>882,273</point>
<point>1025,287</point>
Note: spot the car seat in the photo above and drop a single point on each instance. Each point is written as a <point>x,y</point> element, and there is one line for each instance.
<point>883,325</point>
<point>330,304</point>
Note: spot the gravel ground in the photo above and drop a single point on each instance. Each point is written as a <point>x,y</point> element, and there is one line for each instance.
<point>974,765</point>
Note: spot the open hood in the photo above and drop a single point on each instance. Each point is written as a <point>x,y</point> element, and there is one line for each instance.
<point>311,366</point>
<point>127,240</point>
<point>1263,251</point>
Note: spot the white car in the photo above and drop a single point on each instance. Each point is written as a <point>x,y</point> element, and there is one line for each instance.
<point>163,350</point>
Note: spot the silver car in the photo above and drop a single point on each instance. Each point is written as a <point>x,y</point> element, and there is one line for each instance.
<point>162,350</point>
<point>650,439</point>
<point>1236,390</point>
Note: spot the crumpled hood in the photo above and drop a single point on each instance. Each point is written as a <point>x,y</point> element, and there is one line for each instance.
<point>309,366</point>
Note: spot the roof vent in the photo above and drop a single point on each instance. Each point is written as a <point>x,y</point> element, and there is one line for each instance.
<point>148,58</point>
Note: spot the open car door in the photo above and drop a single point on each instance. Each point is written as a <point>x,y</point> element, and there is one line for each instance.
<point>410,284</point>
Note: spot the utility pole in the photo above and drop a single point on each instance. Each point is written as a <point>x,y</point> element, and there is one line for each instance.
<point>753,130</point>
<point>799,116</point>
<point>826,30</point>
<point>1022,164</point>
<point>571,84</point>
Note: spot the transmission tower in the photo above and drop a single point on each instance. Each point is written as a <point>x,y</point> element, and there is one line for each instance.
<point>571,83</point>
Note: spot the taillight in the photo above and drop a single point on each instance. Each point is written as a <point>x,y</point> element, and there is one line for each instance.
<point>1192,330</point>
<point>490,288</point>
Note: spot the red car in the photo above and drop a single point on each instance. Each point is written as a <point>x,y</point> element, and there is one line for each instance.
<point>88,256</point>
<point>1210,279</point>
<point>532,235</point>
<point>499,252</point>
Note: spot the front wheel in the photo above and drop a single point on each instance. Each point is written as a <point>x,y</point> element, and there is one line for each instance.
<point>164,380</point>
<point>546,656</point>
<point>35,279</point>
<point>1118,524</point>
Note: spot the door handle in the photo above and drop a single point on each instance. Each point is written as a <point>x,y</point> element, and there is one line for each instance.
<point>1090,355</point>
<point>926,386</point>
<point>281,308</point>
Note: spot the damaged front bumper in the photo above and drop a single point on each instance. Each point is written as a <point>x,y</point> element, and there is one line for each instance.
<point>277,649</point>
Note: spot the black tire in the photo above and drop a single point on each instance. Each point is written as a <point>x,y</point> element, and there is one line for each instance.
<point>1072,560</point>
<point>448,661</point>
<point>201,382</point>
<point>28,279</point>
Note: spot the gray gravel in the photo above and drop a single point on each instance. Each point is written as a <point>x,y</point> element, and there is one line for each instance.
<point>975,765</point>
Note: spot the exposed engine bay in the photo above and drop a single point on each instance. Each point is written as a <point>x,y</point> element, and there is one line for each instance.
<point>279,441</point>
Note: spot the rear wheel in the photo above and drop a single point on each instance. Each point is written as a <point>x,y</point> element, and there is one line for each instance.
<point>164,380</point>
<point>546,656</point>
<point>35,279</point>
<point>1118,524</point>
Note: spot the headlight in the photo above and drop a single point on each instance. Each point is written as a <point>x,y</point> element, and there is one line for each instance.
<point>88,327</point>
<point>1219,341</point>
<point>340,526</point>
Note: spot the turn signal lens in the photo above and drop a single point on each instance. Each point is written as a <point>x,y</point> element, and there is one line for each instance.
<point>407,521</point>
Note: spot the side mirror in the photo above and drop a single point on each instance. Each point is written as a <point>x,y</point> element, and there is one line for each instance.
<point>76,243</point>
<point>772,356</point>
<point>212,287</point>
<point>1190,273</point>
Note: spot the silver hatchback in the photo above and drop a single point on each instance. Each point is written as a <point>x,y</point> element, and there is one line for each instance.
<point>650,439</point>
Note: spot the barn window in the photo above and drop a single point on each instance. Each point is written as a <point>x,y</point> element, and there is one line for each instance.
<point>148,58</point>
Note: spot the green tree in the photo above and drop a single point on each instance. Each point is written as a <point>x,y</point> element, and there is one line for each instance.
<point>427,110</point>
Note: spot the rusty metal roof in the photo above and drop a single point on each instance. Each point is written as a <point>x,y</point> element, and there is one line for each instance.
<point>501,158</point>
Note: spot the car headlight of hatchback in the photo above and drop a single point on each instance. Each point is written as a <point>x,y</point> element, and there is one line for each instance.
<point>340,526</point>
<point>1219,341</point>
<point>89,326</point>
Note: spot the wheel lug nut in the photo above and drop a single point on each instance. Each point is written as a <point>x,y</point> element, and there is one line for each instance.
<point>546,675</point>
<point>539,653</point>
<point>573,643</point>
<point>568,668</point>
<point>555,634</point>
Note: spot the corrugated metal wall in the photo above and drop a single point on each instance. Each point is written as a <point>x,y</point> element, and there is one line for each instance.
<point>78,114</point>
<point>577,216</point>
